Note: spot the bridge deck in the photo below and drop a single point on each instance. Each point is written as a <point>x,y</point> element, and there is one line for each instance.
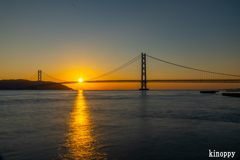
<point>163,81</point>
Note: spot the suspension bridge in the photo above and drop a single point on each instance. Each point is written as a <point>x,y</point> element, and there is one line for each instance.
<point>212,77</point>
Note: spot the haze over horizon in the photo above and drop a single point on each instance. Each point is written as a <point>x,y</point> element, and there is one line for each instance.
<point>83,39</point>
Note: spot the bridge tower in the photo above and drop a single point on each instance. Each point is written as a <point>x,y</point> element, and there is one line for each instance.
<point>39,84</point>
<point>143,73</point>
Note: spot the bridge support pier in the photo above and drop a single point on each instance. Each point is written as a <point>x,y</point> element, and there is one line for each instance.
<point>39,84</point>
<point>143,73</point>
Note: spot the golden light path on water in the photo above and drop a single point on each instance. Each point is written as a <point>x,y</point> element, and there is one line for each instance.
<point>81,143</point>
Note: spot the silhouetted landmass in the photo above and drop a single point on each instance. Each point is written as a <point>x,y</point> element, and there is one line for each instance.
<point>208,91</point>
<point>21,84</point>
<point>231,94</point>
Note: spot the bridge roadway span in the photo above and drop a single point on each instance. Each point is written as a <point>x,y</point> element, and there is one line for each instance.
<point>163,81</point>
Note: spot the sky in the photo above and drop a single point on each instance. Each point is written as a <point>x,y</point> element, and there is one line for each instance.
<point>72,39</point>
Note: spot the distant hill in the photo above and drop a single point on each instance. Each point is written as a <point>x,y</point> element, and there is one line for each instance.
<point>21,84</point>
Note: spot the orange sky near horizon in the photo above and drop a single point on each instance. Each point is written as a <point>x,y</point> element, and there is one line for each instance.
<point>85,74</point>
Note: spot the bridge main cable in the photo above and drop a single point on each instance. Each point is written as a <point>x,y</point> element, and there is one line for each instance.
<point>193,68</point>
<point>52,77</point>
<point>117,69</point>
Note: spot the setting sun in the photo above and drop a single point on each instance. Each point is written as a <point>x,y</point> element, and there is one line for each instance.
<point>80,79</point>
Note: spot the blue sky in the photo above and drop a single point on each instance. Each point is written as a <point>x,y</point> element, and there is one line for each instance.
<point>63,35</point>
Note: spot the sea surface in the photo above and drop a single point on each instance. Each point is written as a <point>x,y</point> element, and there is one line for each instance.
<point>124,125</point>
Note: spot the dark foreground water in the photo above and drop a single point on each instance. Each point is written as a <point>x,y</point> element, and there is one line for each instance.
<point>130,125</point>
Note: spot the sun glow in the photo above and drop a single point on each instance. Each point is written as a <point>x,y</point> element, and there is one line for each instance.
<point>80,79</point>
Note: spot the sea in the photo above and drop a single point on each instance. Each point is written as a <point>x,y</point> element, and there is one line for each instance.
<point>118,125</point>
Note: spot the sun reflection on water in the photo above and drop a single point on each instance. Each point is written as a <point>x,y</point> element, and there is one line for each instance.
<point>81,143</point>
